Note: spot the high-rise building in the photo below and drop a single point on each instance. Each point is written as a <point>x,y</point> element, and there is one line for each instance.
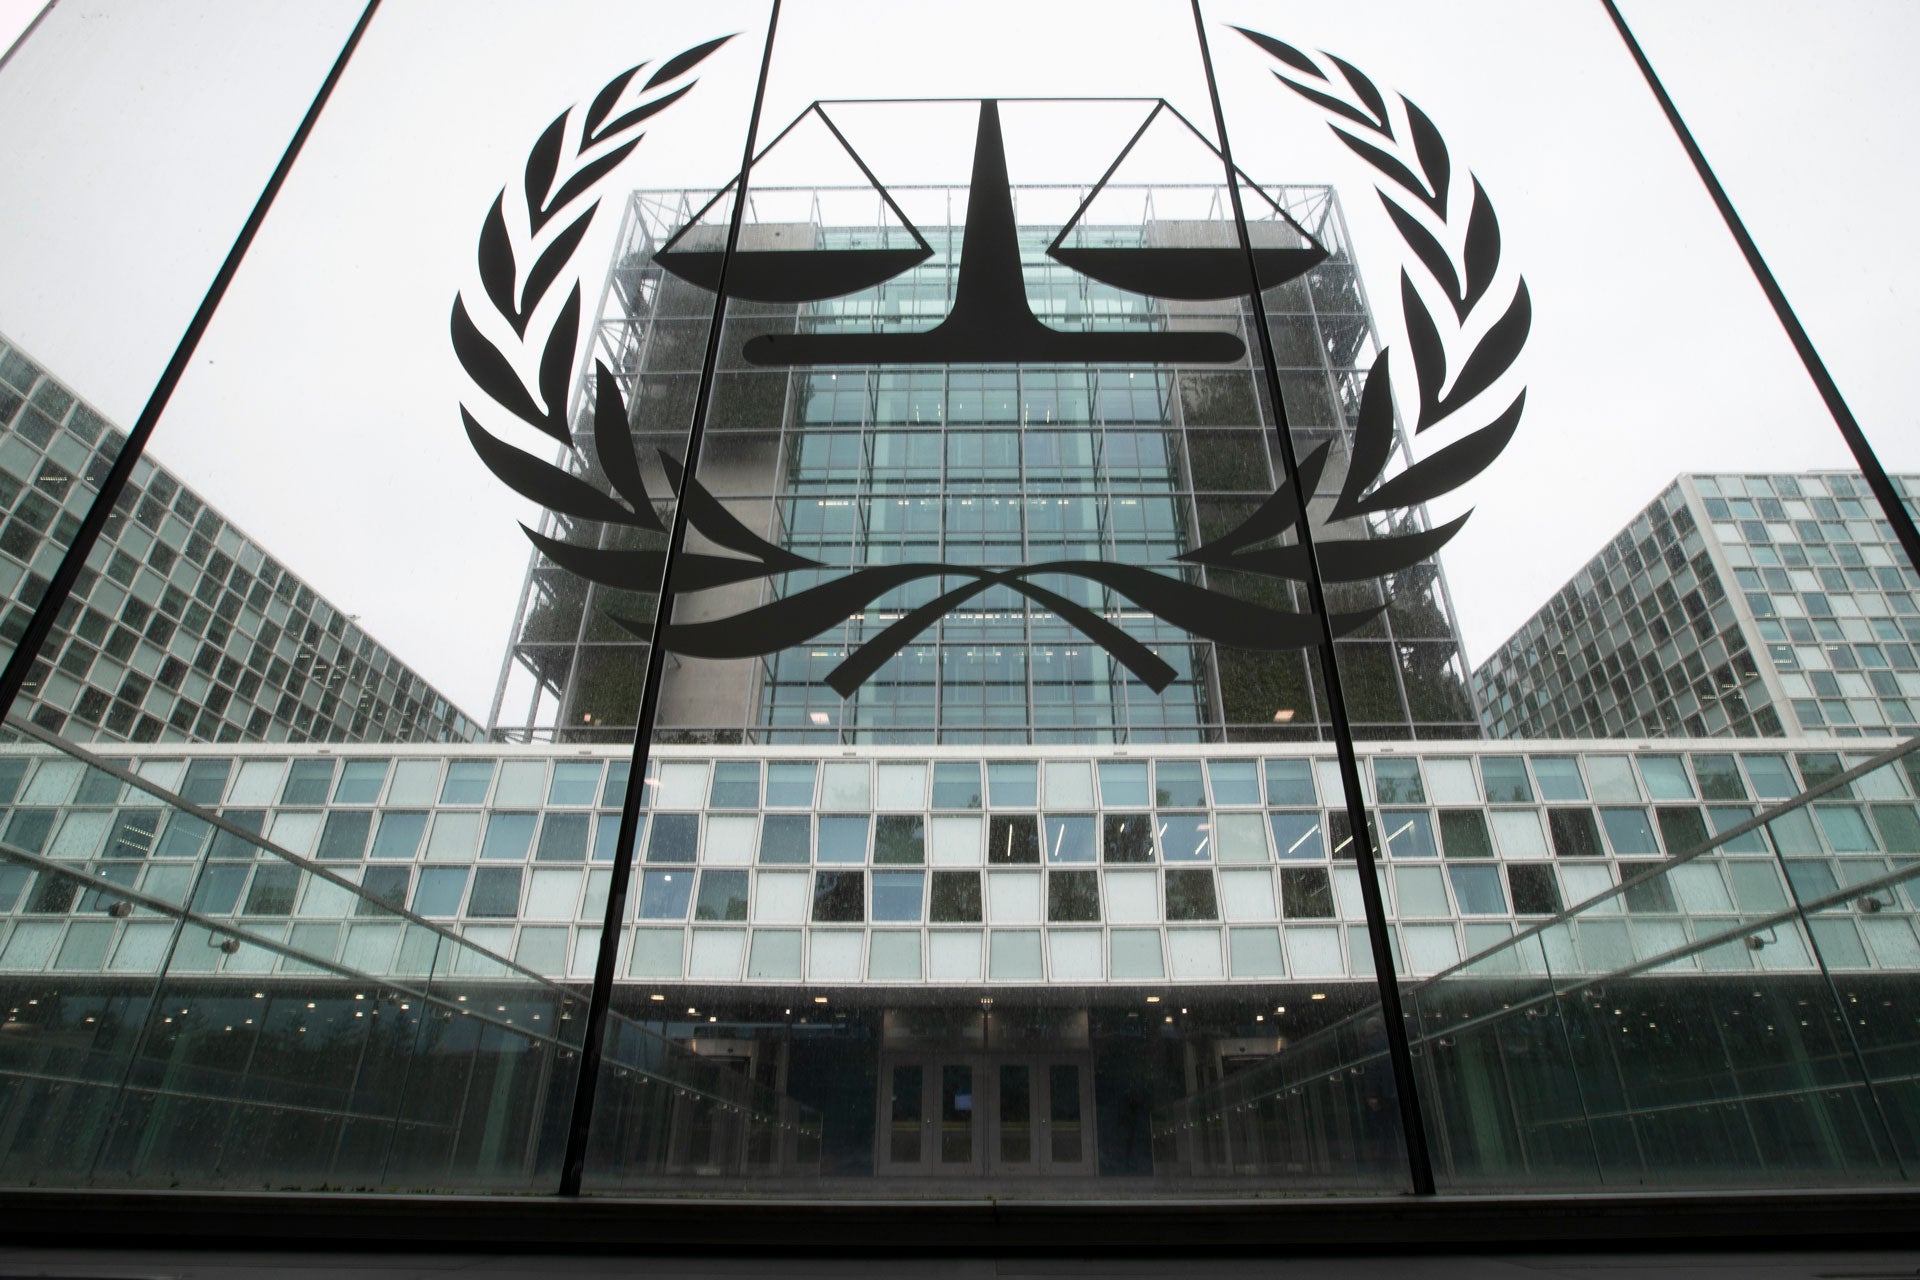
<point>994,465</point>
<point>1734,605</point>
<point>182,629</point>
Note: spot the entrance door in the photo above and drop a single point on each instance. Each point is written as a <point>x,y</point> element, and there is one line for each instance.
<point>1039,1118</point>
<point>930,1123</point>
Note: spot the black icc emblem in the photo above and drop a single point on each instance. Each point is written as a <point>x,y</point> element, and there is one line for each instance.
<point>990,321</point>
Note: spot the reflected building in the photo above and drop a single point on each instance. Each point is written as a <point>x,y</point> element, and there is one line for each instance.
<point>182,628</point>
<point>1734,605</point>
<point>991,465</point>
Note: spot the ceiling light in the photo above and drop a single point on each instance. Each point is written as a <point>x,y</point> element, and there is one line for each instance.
<point>1283,715</point>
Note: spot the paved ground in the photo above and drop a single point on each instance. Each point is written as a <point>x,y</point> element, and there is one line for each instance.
<point>16,1264</point>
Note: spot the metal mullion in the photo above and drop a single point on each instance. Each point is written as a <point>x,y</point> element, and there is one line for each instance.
<point>593,1046</point>
<point>1412,1123</point>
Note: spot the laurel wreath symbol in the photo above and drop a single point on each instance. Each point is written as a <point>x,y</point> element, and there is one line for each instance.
<point>1424,177</point>
<point>787,620</point>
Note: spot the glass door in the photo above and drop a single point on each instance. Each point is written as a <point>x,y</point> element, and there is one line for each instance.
<point>929,1118</point>
<point>1040,1118</point>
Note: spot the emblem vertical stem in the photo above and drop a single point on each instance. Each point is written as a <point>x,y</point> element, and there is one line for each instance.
<point>1876,475</point>
<point>60,586</point>
<point>1412,1125</point>
<point>593,1043</point>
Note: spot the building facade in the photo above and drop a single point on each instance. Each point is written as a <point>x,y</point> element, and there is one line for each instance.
<point>183,629</point>
<point>1734,605</point>
<point>989,465</point>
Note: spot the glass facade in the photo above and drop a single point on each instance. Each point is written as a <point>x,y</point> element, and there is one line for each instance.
<point>991,613</point>
<point>1733,605</point>
<point>989,465</point>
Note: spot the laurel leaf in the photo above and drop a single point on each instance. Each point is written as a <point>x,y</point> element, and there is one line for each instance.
<point>1372,440</point>
<point>1327,102</point>
<point>1273,517</point>
<point>496,262</point>
<point>1368,93</point>
<point>1447,469</point>
<point>1427,249</point>
<point>542,482</point>
<point>1493,356</point>
<point>1388,165</point>
<point>1285,52</point>
<point>1432,150</point>
<point>1207,614</point>
<point>719,526</point>
<point>1482,247</point>
<point>642,112</point>
<point>493,375</point>
<point>681,63</point>
<point>587,175</point>
<point>603,104</point>
<point>556,365</point>
<point>613,442</point>
<point>1429,356</point>
<point>543,162</point>
<point>794,619</point>
<point>546,269</point>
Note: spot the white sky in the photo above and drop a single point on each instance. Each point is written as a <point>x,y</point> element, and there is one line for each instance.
<point>321,414</point>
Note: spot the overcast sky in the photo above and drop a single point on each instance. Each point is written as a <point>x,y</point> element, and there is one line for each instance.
<point>321,413</point>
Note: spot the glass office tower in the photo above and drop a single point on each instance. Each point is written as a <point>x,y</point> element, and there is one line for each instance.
<point>856,466</point>
<point>1734,605</point>
<point>183,628</point>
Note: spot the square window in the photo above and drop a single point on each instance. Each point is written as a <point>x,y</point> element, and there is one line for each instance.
<point>675,837</point>
<point>438,891</point>
<point>1535,892</point>
<point>1073,896</point>
<point>1719,778</point>
<point>1478,890</point>
<point>1184,837</point>
<point>897,896</point>
<point>1290,782</point>
<point>1398,782</point>
<point>1297,835</point>
<point>345,834</point>
<point>1463,834</point>
<point>839,897</point>
<point>1420,891</point>
<point>496,894</point>
<point>563,838</point>
<point>1013,838</point>
<point>1574,833</point>
<point>360,782</point>
<point>790,786</point>
<point>509,835</point>
<point>467,782</point>
<point>899,841</point>
<point>574,782</point>
<point>1070,838</point>
<point>1123,784</point>
<point>272,891</point>
<point>399,834</point>
<point>1506,780</point>
<point>956,785</point>
<point>723,896</point>
<point>1234,781</point>
<point>1013,784</point>
<point>1628,831</point>
<point>736,785</point>
<point>307,782</point>
<point>1190,896</point>
<point>1126,837</point>
<point>843,839</point>
<point>1306,893</point>
<point>786,839</point>
<point>955,897</point>
<point>1559,778</point>
<point>664,894</point>
<point>383,886</point>
<point>1409,833</point>
<point>1177,784</point>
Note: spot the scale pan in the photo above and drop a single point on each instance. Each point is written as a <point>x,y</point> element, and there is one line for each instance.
<point>791,275</point>
<point>1191,275</point>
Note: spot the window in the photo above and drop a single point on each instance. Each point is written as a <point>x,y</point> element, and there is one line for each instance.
<point>508,836</point>
<point>563,838</point>
<point>897,896</point>
<point>663,895</point>
<point>898,841</point>
<point>467,782</point>
<point>496,893</point>
<point>1398,782</point>
<point>360,782</point>
<point>675,837</point>
<point>1628,831</point>
<point>1505,778</point>
<point>1306,893</point>
<point>1127,837</point>
<point>1073,897</point>
<point>723,896</point>
<point>308,782</point>
<point>1535,892</point>
<point>1289,782</point>
<point>399,834</point>
<point>736,785</point>
<point>1574,833</point>
<point>345,834</point>
<point>843,839</point>
<point>955,897</point>
<point>1463,834</point>
<point>839,897</point>
<point>1185,837</point>
<point>1297,835</point>
<point>1013,839</point>
<point>1190,896</point>
<point>1559,778</point>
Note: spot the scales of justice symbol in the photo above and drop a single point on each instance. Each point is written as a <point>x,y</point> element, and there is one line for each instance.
<point>990,321</point>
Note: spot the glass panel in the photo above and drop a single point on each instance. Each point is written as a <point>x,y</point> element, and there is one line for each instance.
<point>904,1114</point>
<point>1015,1117</point>
<point>956,1114</point>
